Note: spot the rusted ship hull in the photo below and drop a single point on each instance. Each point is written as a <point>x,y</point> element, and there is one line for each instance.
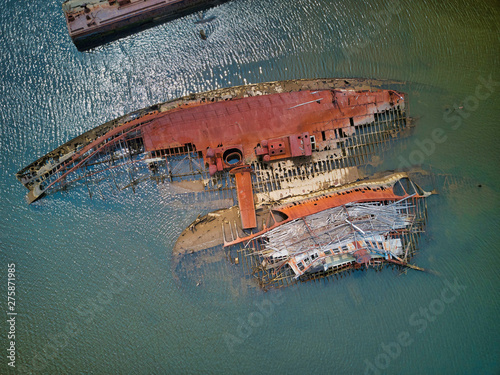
<point>294,136</point>
<point>95,22</point>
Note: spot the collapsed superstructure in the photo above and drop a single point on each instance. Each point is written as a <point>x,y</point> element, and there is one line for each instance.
<point>364,224</point>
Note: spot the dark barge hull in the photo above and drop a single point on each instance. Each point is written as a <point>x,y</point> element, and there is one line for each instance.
<point>91,25</point>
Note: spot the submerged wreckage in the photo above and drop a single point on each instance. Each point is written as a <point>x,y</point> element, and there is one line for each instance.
<point>368,223</point>
<point>274,150</point>
<point>296,136</point>
<point>363,224</point>
<point>95,22</point>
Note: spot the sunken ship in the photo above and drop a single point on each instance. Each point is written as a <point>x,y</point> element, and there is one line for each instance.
<point>370,223</point>
<point>286,160</point>
<point>95,22</point>
<point>367,224</point>
<point>258,141</point>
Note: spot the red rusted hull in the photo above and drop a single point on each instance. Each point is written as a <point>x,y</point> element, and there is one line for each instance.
<point>251,120</point>
<point>330,124</point>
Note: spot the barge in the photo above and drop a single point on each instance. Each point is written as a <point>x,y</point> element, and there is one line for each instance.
<point>95,22</point>
<point>249,143</point>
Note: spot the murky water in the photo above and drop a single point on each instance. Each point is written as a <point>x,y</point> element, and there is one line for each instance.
<point>95,289</point>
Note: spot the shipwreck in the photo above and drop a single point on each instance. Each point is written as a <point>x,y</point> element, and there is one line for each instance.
<point>360,225</point>
<point>285,159</point>
<point>95,22</point>
<point>267,140</point>
<point>365,224</point>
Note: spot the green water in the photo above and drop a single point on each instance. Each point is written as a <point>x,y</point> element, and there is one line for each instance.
<point>95,289</point>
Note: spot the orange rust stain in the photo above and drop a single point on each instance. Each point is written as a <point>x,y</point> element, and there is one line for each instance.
<point>315,205</point>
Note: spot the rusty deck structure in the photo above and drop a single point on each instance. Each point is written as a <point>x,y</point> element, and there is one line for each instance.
<point>368,224</point>
<point>365,224</point>
<point>287,137</point>
<point>95,22</point>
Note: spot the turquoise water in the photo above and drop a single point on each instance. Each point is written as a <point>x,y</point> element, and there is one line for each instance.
<point>95,288</point>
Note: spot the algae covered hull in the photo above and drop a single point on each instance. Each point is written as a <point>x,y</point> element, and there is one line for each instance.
<point>272,140</point>
<point>95,22</point>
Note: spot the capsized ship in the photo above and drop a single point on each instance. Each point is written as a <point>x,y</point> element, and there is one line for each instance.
<point>254,142</point>
<point>94,22</point>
